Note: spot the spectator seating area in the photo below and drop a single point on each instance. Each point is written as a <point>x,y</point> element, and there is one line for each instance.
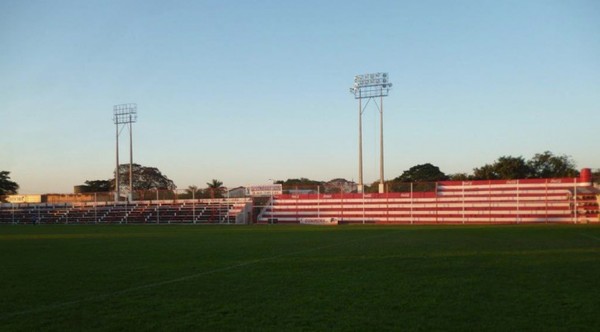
<point>213,211</point>
<point>568,200</point>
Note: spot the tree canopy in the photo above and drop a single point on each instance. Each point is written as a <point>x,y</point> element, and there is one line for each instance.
<point>547,165</point>
<point>7,187</point>
<point>301,182</point>
<point>215,188</point>
<point>542,165</point>
<point>422,173</point>
<point>505,168</point>
<point>596,176</point>
<point>96,186</point>
<point>460,177</point>
<point>193,192</point>
<point>145,178</point>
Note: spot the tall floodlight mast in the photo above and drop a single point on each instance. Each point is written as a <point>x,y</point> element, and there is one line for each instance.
<point>124,114</point>
<point>370,86</point>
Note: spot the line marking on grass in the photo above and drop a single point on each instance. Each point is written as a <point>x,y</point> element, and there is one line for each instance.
<point>180,279</point>
<point>590,236</point>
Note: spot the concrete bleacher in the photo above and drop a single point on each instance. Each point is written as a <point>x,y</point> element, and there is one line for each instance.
<point>218,211</point>
<point>568,200</point>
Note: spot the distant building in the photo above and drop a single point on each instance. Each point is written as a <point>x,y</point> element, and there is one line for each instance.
<point>238,192</point>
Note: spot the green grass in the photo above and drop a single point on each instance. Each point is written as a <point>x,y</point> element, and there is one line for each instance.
<point>300,278</point>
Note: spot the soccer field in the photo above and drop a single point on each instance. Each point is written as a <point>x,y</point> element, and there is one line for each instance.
<point>276,277</point>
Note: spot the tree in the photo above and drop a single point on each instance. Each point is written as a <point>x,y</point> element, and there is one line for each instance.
<point>96,186</point>
<point>422,173</point>
<point>547,165</point>
<point>301,184</point>
<point>7,187</point>
<point>459,177</point>
<point>193,192</point>
<point>542,165</point>
<point>371,188</point>
<point>596,176</point>
<point>505,168</point>
<point>339,185</point>
<point>144,178</point>
<point>215,187</point>
<point>485,172</point>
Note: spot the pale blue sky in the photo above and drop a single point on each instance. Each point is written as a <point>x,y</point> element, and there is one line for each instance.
<point>245,91</point>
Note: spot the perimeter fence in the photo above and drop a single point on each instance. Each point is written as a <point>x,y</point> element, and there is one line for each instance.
<point>124,196</point>
<point>349,188</point>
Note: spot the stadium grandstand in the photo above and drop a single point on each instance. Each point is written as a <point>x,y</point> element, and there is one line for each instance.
<point>564,200</point>
<point>182,211</point>
<point>555,200</point>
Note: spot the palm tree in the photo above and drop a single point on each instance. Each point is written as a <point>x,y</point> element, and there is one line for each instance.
<point>193,192</point>
<point>216,188</point>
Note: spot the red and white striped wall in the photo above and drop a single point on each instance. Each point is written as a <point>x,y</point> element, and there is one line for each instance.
<point>564,200</point>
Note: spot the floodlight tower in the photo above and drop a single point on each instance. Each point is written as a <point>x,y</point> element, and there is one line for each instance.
<point>370,86</point>
<point>124,114</point>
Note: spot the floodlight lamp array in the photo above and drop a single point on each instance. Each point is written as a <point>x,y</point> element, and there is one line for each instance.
<point>371,85</point>
<point>125,113</point>
<point>371,80</point>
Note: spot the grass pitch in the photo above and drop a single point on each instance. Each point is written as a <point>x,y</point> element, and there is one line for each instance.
<point>300,278</point>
